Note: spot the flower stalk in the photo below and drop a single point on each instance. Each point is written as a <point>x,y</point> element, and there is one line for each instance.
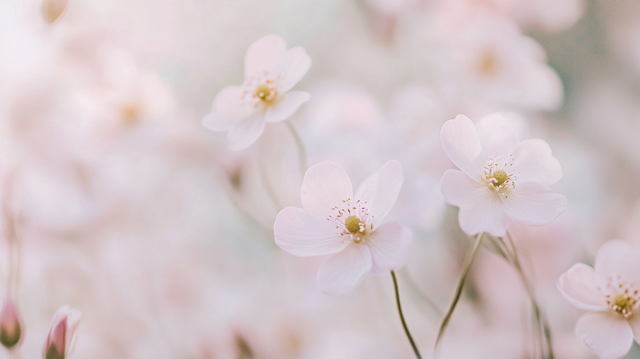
<point>404,323</point>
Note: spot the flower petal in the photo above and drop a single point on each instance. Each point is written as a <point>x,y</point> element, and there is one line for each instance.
<point>460,190</point>
<point>227,109</point>
<point>483,214</point>
<point>617,258</point>
<point>606,333</point>
<point>342,271</point>
<point>533,203</point>
<point>244,133</point>
<point>302,234</point>
<point>265,54</point>
<point>381,190</point>
<point>324,186</point>
<point>389,245</point>
<point>295,65</point>
<point>285,106</point>
<point>634,322</point>
<point>535,162</point>
<point>579,286</point>
<point>461,144</point>
<point>498,134</point>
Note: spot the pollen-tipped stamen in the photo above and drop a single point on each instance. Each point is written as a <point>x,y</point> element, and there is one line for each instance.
<point>352,223</point>
<point>263,92</point>
<point>623,304</point>
<point>499,178</point>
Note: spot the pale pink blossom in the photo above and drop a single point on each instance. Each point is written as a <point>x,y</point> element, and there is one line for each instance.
<point>61,333</point>
<point>610,293</point>
<point>335,221</point>
<point>501,178</point>
<point>270,73</point>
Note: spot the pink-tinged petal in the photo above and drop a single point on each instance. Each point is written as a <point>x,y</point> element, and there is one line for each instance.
<point>617,258</point>
<point>498,134</point>
<point>483,214</point>
<point>389,245</point>
<point>265,54</point>
<point>535,162</point>
<point>461,144</point>
<point>381,190</point>
<point>342,271</point>
<point>579,286</point>
<point>302,234</point>
<point>460,190</point>
<point>285,106</point>
<point>61,334</point>
<point>533,203</point>
<point>244,133</point>
<point>634,322</point>
<point>228,108</point>
<point>607,334</point>
<point>295,65</point>
<point>324,186</point>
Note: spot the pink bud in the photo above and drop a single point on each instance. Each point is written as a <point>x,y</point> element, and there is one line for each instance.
<point>61,333</point>
<point>10,324</point>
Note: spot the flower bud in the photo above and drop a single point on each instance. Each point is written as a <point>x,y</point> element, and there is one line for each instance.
<point>10,324</point>
<point>53,9</point>
<point>61,333</point>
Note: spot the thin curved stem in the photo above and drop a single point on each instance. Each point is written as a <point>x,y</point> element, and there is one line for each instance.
<point>463,277</point>
<point>302,152</point>
<point>404,323</point>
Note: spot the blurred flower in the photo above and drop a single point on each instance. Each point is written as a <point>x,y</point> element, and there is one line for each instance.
<point>270,72</point>
<point>61,333</point>
<point>611,294</point>
<point>10,324</point>
<point>334,221</point>
<point>500,178</point>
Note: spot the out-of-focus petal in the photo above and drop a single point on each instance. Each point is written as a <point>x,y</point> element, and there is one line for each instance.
<point>381,190</point>
<point>461,144</point>
<point>295,65</point>
<point>460,190</point>
<point>389,245</point>
<point>533,203</point>
<point>227,109</point>
<point>285,106</point>
<point>483,214</point>
<point>535,162</point>
<point>608,334</point>
<point>579,286</point>
<point>342,271</point>
<point>302,234</point>
<point>498,134</point>
<point>617,258</point>
<point>324,186</point>
<point>244,133</point>
<point>265,54</point>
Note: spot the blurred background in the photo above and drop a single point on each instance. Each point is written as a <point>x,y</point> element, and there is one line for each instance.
<point>116,201</point>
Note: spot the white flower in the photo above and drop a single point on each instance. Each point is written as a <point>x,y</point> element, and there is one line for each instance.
<point>270,73</point>
<point>335,221</point>
<point>500,178</point>
<point>611,294</point>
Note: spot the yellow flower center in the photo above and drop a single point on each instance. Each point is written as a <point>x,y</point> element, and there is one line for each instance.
<point>622,304</point>
<point>499,177</point>
<point>352,223</point>
<point>263,92</point>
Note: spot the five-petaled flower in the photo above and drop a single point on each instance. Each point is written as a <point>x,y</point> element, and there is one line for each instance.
<point>335,221</point>
<point>270,72</point>
<point>500,177</point>
<point>611,294</point>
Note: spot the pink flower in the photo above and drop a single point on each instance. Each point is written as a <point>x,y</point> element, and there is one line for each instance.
<point>611,294</point>
<point>500,178</point>
<point>270,73</point>
<point>335,221</point>
<point>61,333</point>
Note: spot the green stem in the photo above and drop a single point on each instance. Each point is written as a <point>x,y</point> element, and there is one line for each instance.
<point>404,323</point>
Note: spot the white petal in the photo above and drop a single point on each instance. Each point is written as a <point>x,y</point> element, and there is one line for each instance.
<point>618,258</point>
<point>342,271</point>
<point>498,134</point>
<point>460,190</point>
<point>534,204</point>
<point>634,322</point>
<point>302,234</point>
<point>483,214</point>
<point>244,133</point>
<point>579,286</point>
<point>535,162</point>
<point>461,144</point>
<point>295,65</point>
<point>381,190</point>
<point>285,106</point>
<point>227,109</point>
<point>389,245</point>
<point>324,186</point>
<point>606,333</point>
<point>265,54</point>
